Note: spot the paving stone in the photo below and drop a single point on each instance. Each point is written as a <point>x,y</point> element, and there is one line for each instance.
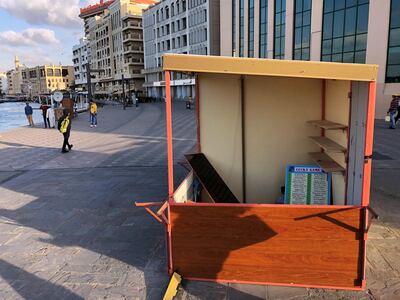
<point>246,291</point>
<point>281,292</point>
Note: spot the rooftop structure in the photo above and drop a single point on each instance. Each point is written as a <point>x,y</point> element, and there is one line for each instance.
<point>94,9</point>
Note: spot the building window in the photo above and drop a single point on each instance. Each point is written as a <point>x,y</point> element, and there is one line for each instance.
<point>241,27</point>
<point>344,32</point>
<point>279,44</point>
<point>393,55</point>
<point>233,27</point>
<point>302,30</point>
<point>251,29</point>
<point>263,28</point>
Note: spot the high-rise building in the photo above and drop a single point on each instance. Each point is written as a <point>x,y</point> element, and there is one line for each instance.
<point>94,10</point>
<point>115,45</point>
<point>80,59</point>
<point>178,26</point>
<point>351,31</point>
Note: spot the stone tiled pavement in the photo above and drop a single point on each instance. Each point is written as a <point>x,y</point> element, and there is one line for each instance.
<point>68,229</point>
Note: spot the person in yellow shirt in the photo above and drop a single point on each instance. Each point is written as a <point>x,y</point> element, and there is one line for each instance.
<point>93,114</point>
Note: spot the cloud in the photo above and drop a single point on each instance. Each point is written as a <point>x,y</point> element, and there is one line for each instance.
<point>89,2</point>
<point>29,37</point>
<point>63,13</point>
<point>33,56</point>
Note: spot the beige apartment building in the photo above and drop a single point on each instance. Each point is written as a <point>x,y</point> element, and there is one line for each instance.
<point>352,31</point>
<point>14,79</point>
<point>115,46</point>
<point>3,83</point>
<point>44,80</point>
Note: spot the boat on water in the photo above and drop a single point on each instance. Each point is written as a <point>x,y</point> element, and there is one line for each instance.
<point>15,99</point>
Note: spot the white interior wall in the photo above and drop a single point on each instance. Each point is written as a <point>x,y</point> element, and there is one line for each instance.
<point>276,130</point>
<point>276,113</point>
<point>337,110</point>
<point>221,127</point>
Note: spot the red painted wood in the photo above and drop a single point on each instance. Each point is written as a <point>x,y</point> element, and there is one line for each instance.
<point>168,109</point>
<point>304,246</point>
<point>198,112</point>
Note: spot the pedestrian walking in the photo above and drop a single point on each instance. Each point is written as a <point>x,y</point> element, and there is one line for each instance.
<point>29,113</point>
<point>93,114</point>
<point>398,111</point>
<point>50,115</point>
<point>43,107</point>
<point>64,126</point>
<point>394,106</point>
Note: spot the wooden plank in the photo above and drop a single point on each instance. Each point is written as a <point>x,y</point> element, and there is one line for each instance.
<point>288,245</point>
<point>269,67</point>
<point>172,287</point>
<point>327,125</point>
<point>210,179</point>
<point>325,162</point>
<point>327,144</point>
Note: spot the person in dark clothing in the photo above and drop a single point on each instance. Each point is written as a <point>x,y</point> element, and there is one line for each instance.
<point>29,113</point>
<point>64,126</point>
<point>398,115</point>
<point>393,109</point>
<point>46,120</point>
<point>398,111</point>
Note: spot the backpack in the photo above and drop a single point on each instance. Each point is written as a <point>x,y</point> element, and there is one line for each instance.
<point>64,125</point>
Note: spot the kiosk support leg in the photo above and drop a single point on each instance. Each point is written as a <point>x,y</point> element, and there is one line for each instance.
<point>169,135</point>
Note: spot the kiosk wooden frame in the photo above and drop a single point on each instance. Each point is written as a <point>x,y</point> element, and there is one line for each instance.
<point>255,116</point>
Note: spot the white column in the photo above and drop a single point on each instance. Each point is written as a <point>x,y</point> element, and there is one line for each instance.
<point>256,28</point>
<point>289,29</point>
<point>270,34</point>
<point>317,10</point>
<point>377,44</point>
<point>237,28</point>
<point>226,29</point>
<point>246,28</point>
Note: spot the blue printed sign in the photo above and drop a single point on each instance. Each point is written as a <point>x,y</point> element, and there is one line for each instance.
<point>307,185</point>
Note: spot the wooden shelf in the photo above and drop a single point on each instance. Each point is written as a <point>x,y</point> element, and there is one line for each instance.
<point>327,125</point>
<point>328,144</point>
<point>325,162</point>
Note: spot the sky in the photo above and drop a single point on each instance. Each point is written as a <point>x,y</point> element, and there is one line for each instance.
<point>39,31</point>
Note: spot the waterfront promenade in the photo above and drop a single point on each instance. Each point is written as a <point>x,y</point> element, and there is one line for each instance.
<point>69,230</point>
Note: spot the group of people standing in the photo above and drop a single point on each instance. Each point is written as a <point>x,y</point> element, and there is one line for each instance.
<point>394,111</point>
<point>49,118</point>
<point>64,122</point>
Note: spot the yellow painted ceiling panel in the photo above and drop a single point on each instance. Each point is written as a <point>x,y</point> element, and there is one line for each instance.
<point>269,67</point>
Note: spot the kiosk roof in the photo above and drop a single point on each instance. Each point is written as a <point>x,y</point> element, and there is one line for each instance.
<point>269,67</point>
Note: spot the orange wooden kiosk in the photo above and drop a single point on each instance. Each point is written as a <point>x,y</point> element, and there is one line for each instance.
<point>255,117</point>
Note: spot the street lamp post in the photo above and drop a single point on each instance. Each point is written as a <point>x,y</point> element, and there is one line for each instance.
<point>89,80</point>
<point>123,91</point>
<point>30,91</point>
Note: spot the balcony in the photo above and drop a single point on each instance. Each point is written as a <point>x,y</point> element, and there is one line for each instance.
<point>132,25</point>
<point>134,61</point>
<point>131,72</point>
<point>133,37</point>
<point>133,49</point>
